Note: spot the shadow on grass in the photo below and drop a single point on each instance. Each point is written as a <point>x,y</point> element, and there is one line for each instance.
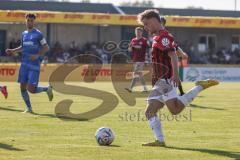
<point>112,145</point>
<point>202,107</point>
<point>9,147</point>
<point>229,154</point>
<point>10,108</point>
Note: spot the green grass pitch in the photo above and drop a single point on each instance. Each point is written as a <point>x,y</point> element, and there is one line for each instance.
<point>209,129</point>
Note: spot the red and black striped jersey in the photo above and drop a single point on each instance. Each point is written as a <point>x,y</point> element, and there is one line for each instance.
<point>161,62</point>
<point>139,48</point>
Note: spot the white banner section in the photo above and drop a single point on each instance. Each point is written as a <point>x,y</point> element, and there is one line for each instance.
<point>221,74</point>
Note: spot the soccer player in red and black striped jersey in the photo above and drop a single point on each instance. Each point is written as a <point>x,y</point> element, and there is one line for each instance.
<point>165,76</point>
<point>138,46</point>
<point>180,53</point>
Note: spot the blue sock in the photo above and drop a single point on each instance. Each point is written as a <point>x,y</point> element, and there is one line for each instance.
<point>41,89</point>
<point>26,99</point>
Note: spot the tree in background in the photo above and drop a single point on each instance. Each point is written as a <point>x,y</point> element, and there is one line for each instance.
<point>137,3</point>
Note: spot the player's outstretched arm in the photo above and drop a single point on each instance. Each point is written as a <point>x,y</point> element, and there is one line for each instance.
<point>13,51</point>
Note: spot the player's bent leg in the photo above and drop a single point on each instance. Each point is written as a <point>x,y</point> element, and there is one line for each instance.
<point>170,97</point>
<point>174,106</point>
<point>152,108</point>
<point>187,98</point>
<point>151,113</point>
<point>33,79</point>
<point>33,85</point>
<point>35,89</point>
<point>31,88</point>
<point>177,103</point>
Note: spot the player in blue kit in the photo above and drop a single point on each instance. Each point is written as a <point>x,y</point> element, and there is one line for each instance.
<point>33,47</point>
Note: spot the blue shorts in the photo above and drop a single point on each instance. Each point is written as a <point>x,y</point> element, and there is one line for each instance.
<point>27,75</point>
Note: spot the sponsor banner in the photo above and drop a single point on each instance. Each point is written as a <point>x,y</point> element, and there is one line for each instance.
<point>220,73</point>
<point>116,19</point>
<point>91,72</point>
<point>8,73</point>
<point>203,22</point>
<point>69,17</point>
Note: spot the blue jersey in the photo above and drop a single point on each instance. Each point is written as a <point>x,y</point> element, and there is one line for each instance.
<point>32,43</point>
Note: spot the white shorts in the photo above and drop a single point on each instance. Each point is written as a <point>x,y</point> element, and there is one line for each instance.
<point>163,91</point>
<point>138,66</point>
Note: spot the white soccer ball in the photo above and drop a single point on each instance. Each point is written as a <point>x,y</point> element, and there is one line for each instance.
<point>104,136</point>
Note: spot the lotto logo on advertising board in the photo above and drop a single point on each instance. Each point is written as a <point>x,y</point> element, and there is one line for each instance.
<point>7,71</point>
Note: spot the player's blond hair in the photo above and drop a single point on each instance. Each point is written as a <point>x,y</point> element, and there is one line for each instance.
<point>147,14</point>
